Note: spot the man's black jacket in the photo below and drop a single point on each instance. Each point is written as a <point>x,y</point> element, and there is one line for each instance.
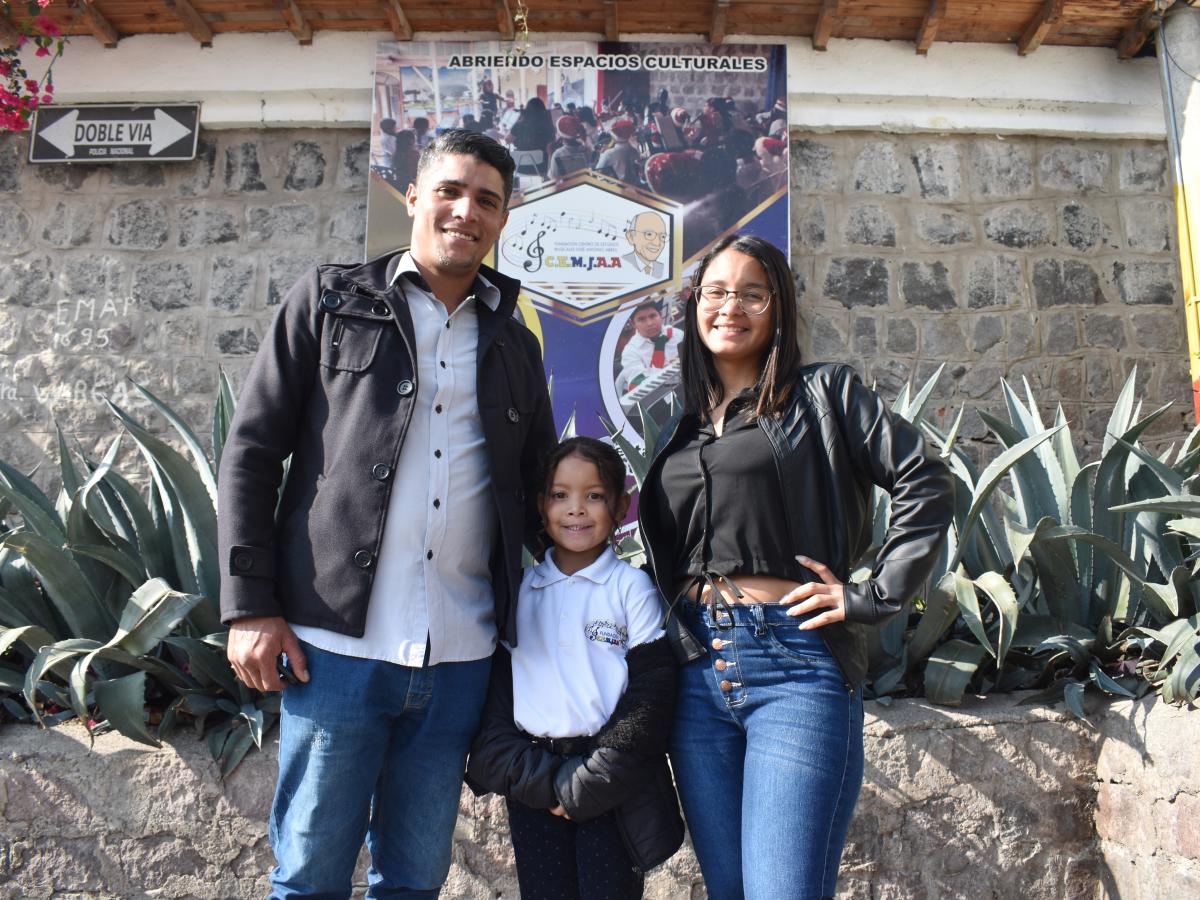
<point>341,408</point>
<point>624,768</point>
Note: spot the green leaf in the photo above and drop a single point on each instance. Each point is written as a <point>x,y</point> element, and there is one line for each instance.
<point>31,636</point>
<point>120,562</point>
<point>73,598</point>
<point>223,411</point>
<point>27,497</point>
<point>1034,630</point>
<point>914,410</point>
<point>968,604</point>
<point>1001,594</point>
<point>1073,696</point>
<point>941,609</point>
<point>1186,505</point>
<point>200,462</point>
<point>122,701</point>
<point>155,551</point>
<point>950,670</point>
<point>70,475</point>
<point>1178,634</point>
<point>1122,414</point>
<point>1064,448</point>
<point>207,664</point>
<point>151,614</point>
<point>1162,600</point>
<point>1107,684</point>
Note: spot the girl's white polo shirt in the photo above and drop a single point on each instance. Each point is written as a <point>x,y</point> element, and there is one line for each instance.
<point>572,635</point>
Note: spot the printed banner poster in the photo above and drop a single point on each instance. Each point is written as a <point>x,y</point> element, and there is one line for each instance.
<point>632,159</point>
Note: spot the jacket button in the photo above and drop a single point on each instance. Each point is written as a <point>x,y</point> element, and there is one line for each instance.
<point>381,472</point>
<point>720,665</point>
<point>331,301</point>
<point>513,415</point>
<point>380,309</point>
<point>243,562</point>
<point>726,686</point>
<point>404,388</point>
<point>363,559</point>
<point>717,644</point>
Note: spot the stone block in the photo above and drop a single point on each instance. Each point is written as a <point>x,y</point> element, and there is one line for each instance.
<point>70,224</point>
<point>197,174</point>
<point>14,226</point>
<point>1143,169</point>
<point>349,224</point>
<point>1147,224</point>
<point>284,270</point>
<point>305,166</point>
<point>240,341</point>
<point>292,224</point>
<point>889,376</point>
<point>1020,227</point>
<point>1098,374</point>
<point>865,336</point>
<point>942,338</point>
<point>1068,385</point>
<point>69,177</point>
<point>1083,228</point>
<point>939,171</point>
<point>870,226</point>
<point>994,279</point>
<point>136,175</point>
<point>1102,330</point>
<point>203,225</point>
<point>901,336</point>
<point>1065,282</point>
<point>857,281</point>
<point>826,339</point>
<point>987,332</point>
<point>1075,168</point>
<point>1022,336</point>
<point>231,283</point>
<point>356,163</point>
<point>927,285</point>
<point>12,156</point>
<point>981,380</point>
<point>808,222</point>
<point>243,174</point>
<point>138,225</point>
<point>813,167</point>
<point>1001,169</point>
<point>1161,331</point>
<point>164,285</point>
<point>1143,283</point>
<point>177,335</point>
<point>25,281</point>
<point>943,228</point>
<point>877,170</point>
<point>91,277</point>
<point>1060,333</point>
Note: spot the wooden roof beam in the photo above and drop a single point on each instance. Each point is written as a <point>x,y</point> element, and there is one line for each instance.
<point>98,25</point>
<point>611,31</point>
<point>9,36</point>
<point>716,33</point>
<point>1137,33</point>
<point>504,21</point>
<point>1044,24</point>
<point>195,23</point>
<point>397,20</point>
<point>826,22</point>
<point>929,27</point>
<point>295,20</point>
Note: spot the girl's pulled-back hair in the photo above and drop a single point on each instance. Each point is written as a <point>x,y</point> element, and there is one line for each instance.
<point>702,388</point>
<point>604,457</point>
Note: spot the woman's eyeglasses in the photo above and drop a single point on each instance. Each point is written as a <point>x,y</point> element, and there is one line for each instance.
<point>751,301</point>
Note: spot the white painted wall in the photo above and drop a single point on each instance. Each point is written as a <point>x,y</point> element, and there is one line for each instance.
<point>270,80</point>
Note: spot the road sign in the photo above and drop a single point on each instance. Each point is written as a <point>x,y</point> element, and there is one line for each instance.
<point>114,133</point>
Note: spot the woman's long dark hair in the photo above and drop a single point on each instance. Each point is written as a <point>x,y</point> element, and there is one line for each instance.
<point>702,388</point>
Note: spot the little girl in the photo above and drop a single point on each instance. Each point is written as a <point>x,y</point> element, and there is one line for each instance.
<point>578,713</point>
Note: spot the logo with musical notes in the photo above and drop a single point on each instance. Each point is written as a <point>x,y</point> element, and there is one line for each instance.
<point>584,245</point>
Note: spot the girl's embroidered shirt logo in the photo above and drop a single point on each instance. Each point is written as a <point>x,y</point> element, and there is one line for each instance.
<point>605,632</point>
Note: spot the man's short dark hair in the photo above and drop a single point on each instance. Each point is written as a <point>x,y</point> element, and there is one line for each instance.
<point>461,142</point>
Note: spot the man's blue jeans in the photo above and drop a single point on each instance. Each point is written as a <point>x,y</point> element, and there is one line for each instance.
<point>767,753</point>
<point>376,749</point>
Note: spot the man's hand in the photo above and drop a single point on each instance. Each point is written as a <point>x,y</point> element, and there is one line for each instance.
<point>254,647</point>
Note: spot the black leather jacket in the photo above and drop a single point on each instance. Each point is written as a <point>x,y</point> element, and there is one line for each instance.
<point>836,440</point>
<point>340,408</point>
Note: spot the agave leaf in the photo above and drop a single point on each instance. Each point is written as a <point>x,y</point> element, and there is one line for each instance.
<point>1031,480</point>
<point>1073,696</point>
<point>914,409</point>
<point>1185,505</point>
<point>1122,414</point>
<point>128,567</point>
<point>254,718</point>
<point>1100,542</point>
<point>122,701</point>
<point>1186,525</point>
<point>1162,600</point>
<point>1079,651</point>
<point>235,748</point>
<point>952,435</point>
<point>206,663</point>
<point>70,475</point>
<point>949,671</point>
<point>223,411</point>
<point>31,636</point>
<point>1063,446</point>
<point>990,478</point>
<point>1106,683</point>
<point>92,497</point>
<point>1001,594</point>
<point>29,501</point>
<point>23,603</point>
<point>200,462</point>
<point>1034,630</point>
<point>1171,480</point>
<point>151,614</point>
<point>155,551</point>
<point>53,658</point>
<point>968,605</point>
<point>1178,634</point>
<point>1184,680</point>
<point>901,401</point>
<point>941,609</point>
<point>73,597</point>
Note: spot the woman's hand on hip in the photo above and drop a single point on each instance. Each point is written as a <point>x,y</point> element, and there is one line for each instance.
<point>826,594</point>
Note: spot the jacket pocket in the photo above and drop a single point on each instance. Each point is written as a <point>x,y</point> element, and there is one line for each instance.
<point>352,328</point>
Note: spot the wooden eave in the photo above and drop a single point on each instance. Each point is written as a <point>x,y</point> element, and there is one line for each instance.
<point>1117,24</point>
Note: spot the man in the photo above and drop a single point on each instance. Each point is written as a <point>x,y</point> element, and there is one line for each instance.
<point>414,409</point>
<point>650,348</point>
<point>647,234</point>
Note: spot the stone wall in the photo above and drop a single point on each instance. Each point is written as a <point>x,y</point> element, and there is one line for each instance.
<point>1047,259</point>
<point>994,799</point>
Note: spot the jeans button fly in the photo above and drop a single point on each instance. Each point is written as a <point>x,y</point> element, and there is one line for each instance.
<point>720,664</point>
<point>726,686</point>
<point>718,644</point>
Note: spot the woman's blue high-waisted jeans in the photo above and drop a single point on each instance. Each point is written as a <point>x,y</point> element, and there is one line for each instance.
<point>767,752</point>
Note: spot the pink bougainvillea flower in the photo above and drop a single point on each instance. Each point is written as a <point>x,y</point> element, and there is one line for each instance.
<point>43,3</point>
<point>42,51</point>
<point>47,25</point>
<point>31,85</point>
<point>49,87</point>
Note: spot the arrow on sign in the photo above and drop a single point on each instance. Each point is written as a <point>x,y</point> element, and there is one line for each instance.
<point>68,132</point>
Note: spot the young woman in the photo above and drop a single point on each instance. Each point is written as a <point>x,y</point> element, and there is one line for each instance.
<point>574,733</point>
<point>754,509</point>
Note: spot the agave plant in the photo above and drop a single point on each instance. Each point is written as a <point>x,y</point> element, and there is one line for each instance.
<point>109,595</point>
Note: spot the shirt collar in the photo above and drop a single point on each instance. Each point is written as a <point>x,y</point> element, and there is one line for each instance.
<point>547,573</point>
<point>482,289</point>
